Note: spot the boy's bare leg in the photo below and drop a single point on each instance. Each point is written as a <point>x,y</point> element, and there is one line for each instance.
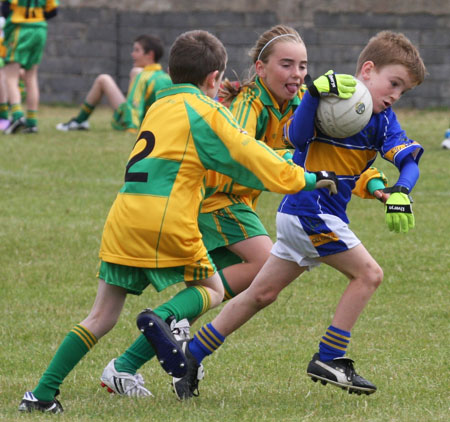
<point>105,85</point>
<point>254,252</point>
<point>273,277</point>
<point>365,276</point>
<point>32,87</point>
<point>11,72</point>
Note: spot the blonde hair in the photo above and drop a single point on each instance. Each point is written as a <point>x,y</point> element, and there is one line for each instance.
<point>260,51</point>
<point>387,48</point>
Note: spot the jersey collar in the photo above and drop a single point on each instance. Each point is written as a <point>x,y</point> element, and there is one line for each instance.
<point>178,89</point>
<point>269,101</point>
<point>153,66</point>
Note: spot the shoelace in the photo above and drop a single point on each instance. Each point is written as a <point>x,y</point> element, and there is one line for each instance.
<point>181,329</point>
<point>138,383</point>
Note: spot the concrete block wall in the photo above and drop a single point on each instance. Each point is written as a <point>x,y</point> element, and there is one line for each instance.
<point>85,41</point>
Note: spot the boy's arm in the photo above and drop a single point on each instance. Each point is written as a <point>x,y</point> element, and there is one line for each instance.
<point>300,128</point>
<point>222,146</point>
<point>399,215</point>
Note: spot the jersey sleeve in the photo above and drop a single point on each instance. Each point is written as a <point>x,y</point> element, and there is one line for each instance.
<point>396,145</point>
<point>300,127</point>
<point>224,147</point>
<point>361,187</point>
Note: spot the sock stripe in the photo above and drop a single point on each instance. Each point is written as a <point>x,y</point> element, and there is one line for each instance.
<point>85,335</point>
<point>217,342</point>
<point>206,298</point>
<point>208,339</point>
<point>335,346</point>
<point>337,335</point>
<point>87,108</point>
<point>203,342</point>
<point>335,340</point>
<point>334,343</point>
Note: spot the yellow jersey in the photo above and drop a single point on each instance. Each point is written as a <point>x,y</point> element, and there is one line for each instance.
<point>153,220</point>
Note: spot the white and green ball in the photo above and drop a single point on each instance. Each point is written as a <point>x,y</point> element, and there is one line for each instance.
<point>341,118</point>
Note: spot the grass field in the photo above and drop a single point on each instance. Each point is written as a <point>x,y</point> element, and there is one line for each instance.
<point>56,190</point>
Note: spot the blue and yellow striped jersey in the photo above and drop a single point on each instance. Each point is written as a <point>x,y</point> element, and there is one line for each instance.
<point>153,221</point>
<point>259,114</point>
<point>349,158</point>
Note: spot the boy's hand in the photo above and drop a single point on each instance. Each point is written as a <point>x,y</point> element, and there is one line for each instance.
<point>381,196</point>
<point>339,85</point>
<point>399,215</point>
<point>327,179</point>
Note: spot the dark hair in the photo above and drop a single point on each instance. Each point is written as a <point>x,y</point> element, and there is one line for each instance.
<point>387,48</point>
<point>151,43</point>
<point>194,55</point>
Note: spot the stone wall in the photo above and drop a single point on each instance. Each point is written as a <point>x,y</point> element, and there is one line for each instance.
<point>86,40</point>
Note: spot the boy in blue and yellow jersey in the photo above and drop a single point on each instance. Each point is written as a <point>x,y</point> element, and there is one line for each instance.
<point>151,234</point>
<point>146,79</point>
<point>25,38</point>
<point>312,228</point>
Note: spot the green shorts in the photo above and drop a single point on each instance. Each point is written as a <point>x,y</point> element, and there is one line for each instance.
<point>123,117</point>
<point>135,280</point>
<point>25,45</point>
<point>228,226</point>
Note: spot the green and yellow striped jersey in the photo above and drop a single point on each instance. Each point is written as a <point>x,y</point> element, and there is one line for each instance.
<point>31,11</point>
<point>143,88</point>
<point>259,114</point>
<point>153,221</point>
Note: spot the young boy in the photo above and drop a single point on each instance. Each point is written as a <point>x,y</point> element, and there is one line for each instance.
<point>312,227</point>
<point>25,38</point>
<point>146,79</point>
<point>151,234</point>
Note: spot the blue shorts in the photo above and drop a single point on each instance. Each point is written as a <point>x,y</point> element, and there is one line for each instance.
<point>305,239</point>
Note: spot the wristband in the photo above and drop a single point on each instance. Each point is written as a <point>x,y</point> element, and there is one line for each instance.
<point>397,188</point>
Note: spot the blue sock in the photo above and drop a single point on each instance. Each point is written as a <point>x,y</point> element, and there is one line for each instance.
<point>333,344</point>
<point>205,341</point>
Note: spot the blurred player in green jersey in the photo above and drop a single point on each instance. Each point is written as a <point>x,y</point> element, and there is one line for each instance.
<point>146,79</point>
<point>25,38</point>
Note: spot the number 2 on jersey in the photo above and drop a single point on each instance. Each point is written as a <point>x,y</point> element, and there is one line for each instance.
<point>149,145</point>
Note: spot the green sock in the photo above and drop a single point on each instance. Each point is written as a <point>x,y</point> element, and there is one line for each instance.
<point>188,303</point>
<point>16,111</point>
<point>76,344</point>
<point>31,118</point>
<point>4,108</point>
<point>85,111</point>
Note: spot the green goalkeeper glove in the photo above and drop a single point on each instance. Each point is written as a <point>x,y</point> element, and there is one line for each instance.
<point>399,215</point>
<point>339,85</point>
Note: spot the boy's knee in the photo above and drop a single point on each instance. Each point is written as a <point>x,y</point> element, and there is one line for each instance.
<point>374,277</point>
<point>264,298</point>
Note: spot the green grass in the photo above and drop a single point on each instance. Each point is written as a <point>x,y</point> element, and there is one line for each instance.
<point>56,190</point>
